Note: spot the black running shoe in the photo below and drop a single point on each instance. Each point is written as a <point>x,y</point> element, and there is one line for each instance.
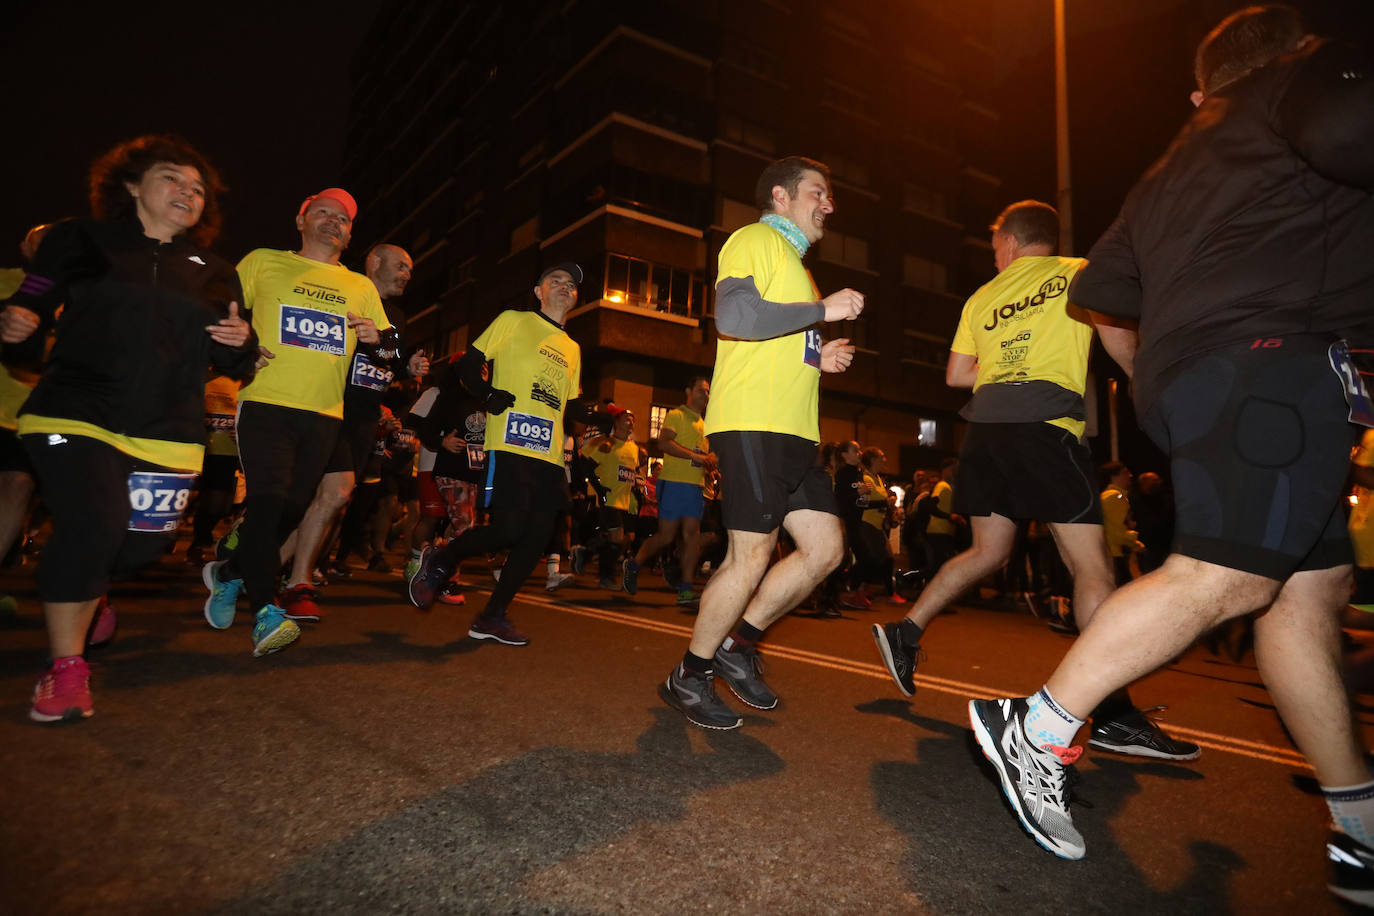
<point>742,672</point>
<point>694,695</point>
<point>425,587</point>
<point>629,576</point>
<point>1350,869</point>
<point>898,658</point>
<point>1033,780</point>
<point>499,629</point>
<point>1137,734</point>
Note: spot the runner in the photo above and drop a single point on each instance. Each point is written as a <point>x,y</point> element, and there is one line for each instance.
<point>389,268</point>
<point>116,421</point>
<point>616,456</point>
<point>311,313</point>
<point>764,426</point>
<point>1023,347</point>
<point>1244,252</point>
<point>535,376</point>
<point>686,459</point>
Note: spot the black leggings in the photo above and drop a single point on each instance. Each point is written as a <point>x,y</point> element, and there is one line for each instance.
<point>283,452</point>
<point>85,485</point>
<point>527,497</point>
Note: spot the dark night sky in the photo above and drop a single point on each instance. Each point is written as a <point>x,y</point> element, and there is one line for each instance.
<point>263,89</point>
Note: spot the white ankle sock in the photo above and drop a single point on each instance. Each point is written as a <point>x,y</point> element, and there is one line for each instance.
<point>1047,723</point>
<point>1352,808</point>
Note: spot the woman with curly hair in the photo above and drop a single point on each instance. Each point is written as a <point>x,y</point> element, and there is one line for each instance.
<point>114,427</point>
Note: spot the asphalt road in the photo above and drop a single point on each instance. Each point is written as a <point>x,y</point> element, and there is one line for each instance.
<point>386,763</point>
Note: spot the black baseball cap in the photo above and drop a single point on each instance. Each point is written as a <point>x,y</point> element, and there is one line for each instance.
<point>573,270</point>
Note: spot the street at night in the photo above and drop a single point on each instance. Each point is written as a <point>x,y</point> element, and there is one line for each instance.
<point>386,763</point>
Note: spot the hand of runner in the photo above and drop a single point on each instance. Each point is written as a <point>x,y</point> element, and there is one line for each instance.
<point>499,401</point>
<point>264,355</point>
<point>232,331</point>
<point>365,328</point>
<point>836,355</point>
<point>17,324</point>
<point>419,364</point>
<point>844,305</point>
<point>454,443</point>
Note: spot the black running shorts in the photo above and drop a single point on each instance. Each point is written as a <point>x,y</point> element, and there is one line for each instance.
<point>764,476</point>
<point>1259,440</point>
<point>524,485</point>
<point>1027,471</point>
<point>357,436</point>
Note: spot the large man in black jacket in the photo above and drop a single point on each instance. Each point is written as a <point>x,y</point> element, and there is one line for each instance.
<point>1245,255</point>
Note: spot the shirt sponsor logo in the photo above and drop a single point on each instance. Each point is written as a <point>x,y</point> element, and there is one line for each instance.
<point>320,294</point>
<point>543,393</point>
<point>1050,289</point>
<point>553,355</point>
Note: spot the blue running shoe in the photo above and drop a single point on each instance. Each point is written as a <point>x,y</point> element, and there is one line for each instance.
<point>630,576</point>
<point>273,631</point>
<point>219,607</point>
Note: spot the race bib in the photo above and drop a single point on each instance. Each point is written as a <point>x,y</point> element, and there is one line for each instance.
<point>624,474</point>
<point>812,356</point>
<point>477,458</point>
<point>1361,409</point>
<point>312,329</point>
<point>219,422</point>
<point>156,500</point>
<point>528,432</point>
<point>367,374</point>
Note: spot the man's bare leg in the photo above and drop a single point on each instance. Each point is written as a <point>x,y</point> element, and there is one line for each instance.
<point>992,541</point>
<point>691,549</point>
<point>820,545</point>
<point>726,595</point>
<point>330,498</point>
<point>656,542</point>
<point>1084,549</point>
<point>1143,624</point>
<point>1298,648</point>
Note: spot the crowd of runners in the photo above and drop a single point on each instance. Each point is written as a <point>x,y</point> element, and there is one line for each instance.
<point>139,368</point>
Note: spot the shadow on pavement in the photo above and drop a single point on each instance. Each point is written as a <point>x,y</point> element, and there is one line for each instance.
<point>470,847</point>
<point>961,825</point>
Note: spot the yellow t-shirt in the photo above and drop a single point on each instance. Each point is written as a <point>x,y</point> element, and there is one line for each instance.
<point>300,311</point>
<point>1116,507</point>
<point>221,413</point>
<point>876,514</point>
<point>616,469</point>
<point>535,360</point>
<point>689,431</point>
<point>767,385</point>
<point>1021,328</point>
<point>944,501</point>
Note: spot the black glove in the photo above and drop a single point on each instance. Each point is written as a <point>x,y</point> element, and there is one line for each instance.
<point>499,401</point>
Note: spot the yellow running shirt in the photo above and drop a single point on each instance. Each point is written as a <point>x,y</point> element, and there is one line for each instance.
<point>944,501</point>
<point>689,431</point>
<point>221,414</point>
<point>767,385</point>
<point>1021,328</point>
<point>300,311</point>
<point>876,513</point>
<point>535,360</point>
<point>616,468</point>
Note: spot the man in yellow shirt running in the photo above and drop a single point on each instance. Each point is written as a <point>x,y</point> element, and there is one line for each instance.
<point>764,426</point>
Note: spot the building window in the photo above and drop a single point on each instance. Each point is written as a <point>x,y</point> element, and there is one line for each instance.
<point>847,169</point>
<point>925,349</point>
<point>734,214</point>
<point>747,133</point>
<point>658,287</point>
<point>919,199</point>
<point>524,235</point>
<point>657,414</point>
<point>457,340</point>
<point>924,273</point>
<point>848,250</point>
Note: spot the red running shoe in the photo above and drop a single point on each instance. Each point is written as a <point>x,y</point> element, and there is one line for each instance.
<point>298,603</point>
<point>63,693</point>
<point>452,595</point>
<point>103,624</point>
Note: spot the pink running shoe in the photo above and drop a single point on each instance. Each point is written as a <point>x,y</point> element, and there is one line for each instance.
<point>103,624</point>
<point>63,693</point>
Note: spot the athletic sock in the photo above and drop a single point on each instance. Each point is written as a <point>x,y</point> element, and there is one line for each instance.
<point>695,663</point>
<point>1352,808</point>
<point>1047,723</point>
<point>746,636</point>
<point>553,563</point>
<point>415,552</point>
<point>911,631</point>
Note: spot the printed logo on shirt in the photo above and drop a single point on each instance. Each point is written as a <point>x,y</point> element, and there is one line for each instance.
<point>321,293</point>
<point>1052,288</point>
<point>542,392</point>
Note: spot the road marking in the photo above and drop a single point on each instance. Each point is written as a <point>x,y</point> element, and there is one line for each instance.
<point>1210,740</point>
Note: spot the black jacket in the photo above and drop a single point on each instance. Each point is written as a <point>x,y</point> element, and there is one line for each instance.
<point>1257,222</point>
<point>132,351</point>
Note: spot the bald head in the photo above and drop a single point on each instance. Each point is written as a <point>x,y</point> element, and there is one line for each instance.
<point>388,267</point>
